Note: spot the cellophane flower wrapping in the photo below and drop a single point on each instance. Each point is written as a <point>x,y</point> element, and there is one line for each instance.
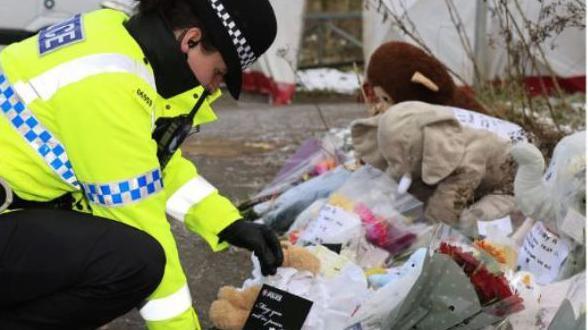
<point>367,207</point>
<point>457,286</point>
<point>496,296</point>
<point>572,311</point>
<point>313,158</point>
<point>282,211</point>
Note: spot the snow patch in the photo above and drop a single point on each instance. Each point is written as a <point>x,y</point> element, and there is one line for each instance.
<point>325,79</point>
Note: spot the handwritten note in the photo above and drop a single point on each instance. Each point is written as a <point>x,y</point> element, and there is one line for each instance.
<point>497,126</point>
<point>543,253</point>
<point>334,225</point>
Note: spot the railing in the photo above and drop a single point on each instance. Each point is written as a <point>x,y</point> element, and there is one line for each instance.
<point>329,41</point>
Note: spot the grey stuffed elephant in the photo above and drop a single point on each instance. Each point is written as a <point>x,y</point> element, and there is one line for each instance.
<point>548,196</point>
<point>558,196</point>
<point>464,175</point>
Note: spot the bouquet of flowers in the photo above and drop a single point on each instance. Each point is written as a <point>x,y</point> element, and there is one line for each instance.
<point>366,210</point>
<point>313,158</point>
<point>281,212</point>
<point>459,286</point>
<point>492,287</point>
<point>383,233</point>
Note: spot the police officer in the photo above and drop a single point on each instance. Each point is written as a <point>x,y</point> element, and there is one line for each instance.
<point>91,114</point>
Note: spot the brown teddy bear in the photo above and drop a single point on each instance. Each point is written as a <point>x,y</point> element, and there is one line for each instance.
<point>398,72</point>
<point>232,307</point>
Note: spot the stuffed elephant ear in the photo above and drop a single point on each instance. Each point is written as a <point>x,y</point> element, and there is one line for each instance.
<point>365,143</point>
<point>407,129</point>
<point>443,150</point>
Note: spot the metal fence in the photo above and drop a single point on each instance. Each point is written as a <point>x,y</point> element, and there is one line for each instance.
<point>331,40</point>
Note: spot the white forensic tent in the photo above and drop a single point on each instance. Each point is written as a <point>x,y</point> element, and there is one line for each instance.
<point>275,72</point>
<point>565,53</point>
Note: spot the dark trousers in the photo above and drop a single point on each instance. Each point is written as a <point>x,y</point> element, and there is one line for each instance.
<point>67,270</point>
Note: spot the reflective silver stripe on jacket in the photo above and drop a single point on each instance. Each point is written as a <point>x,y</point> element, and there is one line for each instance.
<point>161,309</point>
<point>191,193</point>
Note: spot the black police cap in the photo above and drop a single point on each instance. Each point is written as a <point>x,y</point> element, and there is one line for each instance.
<point>242,30</point>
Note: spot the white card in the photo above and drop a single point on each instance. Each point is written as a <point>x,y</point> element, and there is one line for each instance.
<point>497,126</point>
<point>331,262</point>
<point>503,225</point>
<point>574,225</point>
<point>542,254</point>
<point>333,225</point>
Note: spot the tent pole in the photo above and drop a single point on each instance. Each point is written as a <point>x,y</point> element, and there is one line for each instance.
<point>481,44</point>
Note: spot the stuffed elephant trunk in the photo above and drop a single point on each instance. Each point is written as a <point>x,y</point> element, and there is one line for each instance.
<point>531,193</point>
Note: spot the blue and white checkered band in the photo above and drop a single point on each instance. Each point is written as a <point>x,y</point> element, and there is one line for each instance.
<point>124,192</point>
<point>35,134</point>
<point>244,50</point>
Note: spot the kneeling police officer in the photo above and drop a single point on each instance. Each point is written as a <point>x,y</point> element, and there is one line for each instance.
<point>92,112</point>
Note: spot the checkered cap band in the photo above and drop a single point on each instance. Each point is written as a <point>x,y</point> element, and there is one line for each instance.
<point>35,134</point>
<point>244,50</point>
<point>124,192</point>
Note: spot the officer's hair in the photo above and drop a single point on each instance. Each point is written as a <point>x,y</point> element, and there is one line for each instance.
<point>178,15</point>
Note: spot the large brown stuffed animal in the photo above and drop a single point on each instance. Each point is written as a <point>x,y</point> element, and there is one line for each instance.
<point>398,72</point>
<point>469,172</point>
<point>232,307</point>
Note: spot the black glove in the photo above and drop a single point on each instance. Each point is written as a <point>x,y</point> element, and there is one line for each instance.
<point>257,238</point>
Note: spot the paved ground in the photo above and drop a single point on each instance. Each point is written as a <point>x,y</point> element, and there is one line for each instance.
<point>239,154</point>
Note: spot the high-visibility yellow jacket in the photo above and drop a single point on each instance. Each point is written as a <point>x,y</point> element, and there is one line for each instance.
<point>78,103</point>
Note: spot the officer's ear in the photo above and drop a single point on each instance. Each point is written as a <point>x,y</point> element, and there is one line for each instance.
<point>190,38</point>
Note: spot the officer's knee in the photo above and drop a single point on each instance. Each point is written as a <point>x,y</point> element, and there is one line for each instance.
<point>152,260</point>
<point>141,259</point>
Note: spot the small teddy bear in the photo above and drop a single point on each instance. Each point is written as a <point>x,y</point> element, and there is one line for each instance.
<point>300,258</point>
<point>232,307</point>
<point>398,72</point>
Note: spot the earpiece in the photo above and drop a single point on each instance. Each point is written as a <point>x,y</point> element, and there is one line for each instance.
<point>192,43</point>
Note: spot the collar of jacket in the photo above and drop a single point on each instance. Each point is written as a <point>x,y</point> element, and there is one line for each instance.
<point>173,76</point>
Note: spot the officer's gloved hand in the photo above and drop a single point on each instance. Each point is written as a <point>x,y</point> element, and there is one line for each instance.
<point>257,238</point>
